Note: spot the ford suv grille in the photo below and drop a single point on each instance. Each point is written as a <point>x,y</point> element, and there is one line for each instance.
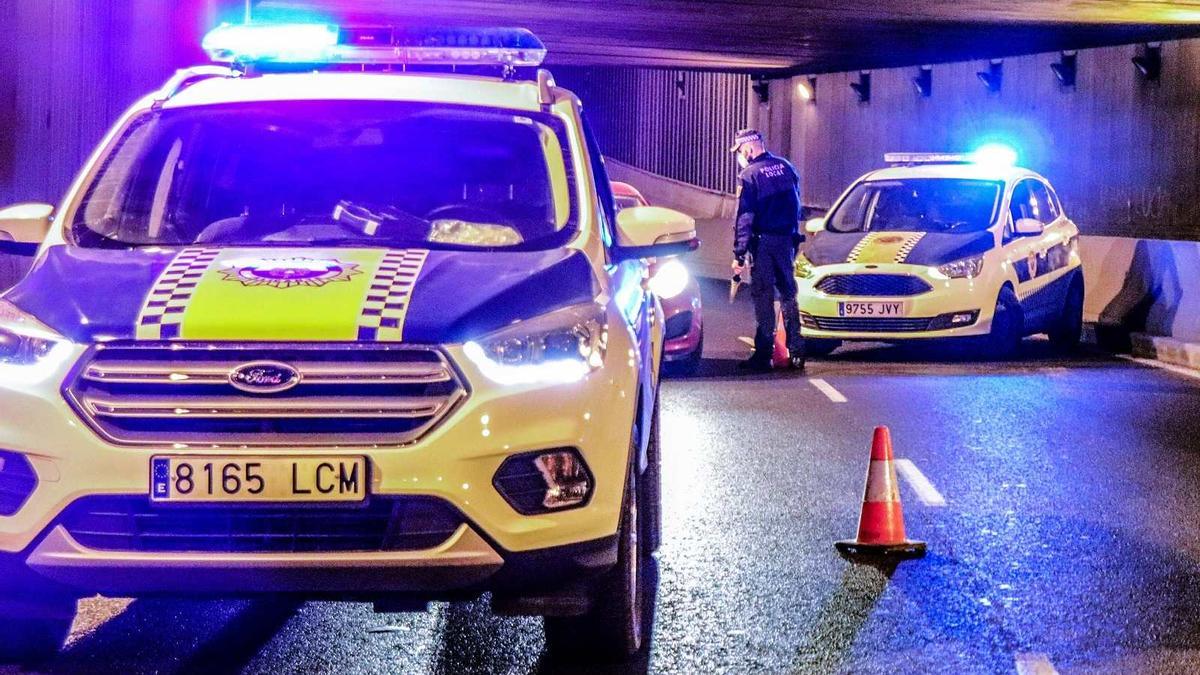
<point>198,393</point>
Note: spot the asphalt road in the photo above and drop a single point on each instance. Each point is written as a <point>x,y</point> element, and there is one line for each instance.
<point>1066,537</point>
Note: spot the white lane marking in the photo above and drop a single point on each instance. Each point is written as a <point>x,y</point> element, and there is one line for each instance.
<point>827,389</point>
<point>925,490</point>
<point>1034,664</point>
<point>1178,370</point>
<point>748,341</point>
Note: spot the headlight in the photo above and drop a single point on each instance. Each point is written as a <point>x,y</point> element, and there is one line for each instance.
<point>28,349</point>
<point>967,268</point>
<point>562,346</point>
<point>669,279</point>
<point>804,267</point>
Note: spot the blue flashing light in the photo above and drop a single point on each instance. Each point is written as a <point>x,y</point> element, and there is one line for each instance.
<point>278,43</point>
<point>324,44</point>
<point>996,155</point>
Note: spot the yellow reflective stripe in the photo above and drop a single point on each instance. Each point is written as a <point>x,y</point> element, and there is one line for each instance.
<point>907,247</point>
<point>883,247</point>
<point>251,295</point>
<point>852,257</point>
<point>386,305</point>
<point>162,314</point>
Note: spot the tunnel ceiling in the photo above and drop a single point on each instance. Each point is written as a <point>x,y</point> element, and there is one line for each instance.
<point>812,36</point>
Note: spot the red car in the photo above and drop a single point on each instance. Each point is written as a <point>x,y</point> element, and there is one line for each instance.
<point>680,295</point>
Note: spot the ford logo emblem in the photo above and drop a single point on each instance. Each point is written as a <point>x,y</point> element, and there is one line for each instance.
<point>264,377</point>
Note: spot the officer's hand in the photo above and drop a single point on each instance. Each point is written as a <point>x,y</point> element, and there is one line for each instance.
<point>738,267</point>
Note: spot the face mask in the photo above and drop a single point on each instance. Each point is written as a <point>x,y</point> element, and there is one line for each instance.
<point>742,161</point>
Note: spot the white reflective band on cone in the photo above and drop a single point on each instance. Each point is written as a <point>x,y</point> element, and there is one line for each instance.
<point>881,483</point>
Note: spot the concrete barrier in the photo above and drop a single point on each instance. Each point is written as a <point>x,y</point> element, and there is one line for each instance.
<point>1142,286</point>
<point>662,191</point>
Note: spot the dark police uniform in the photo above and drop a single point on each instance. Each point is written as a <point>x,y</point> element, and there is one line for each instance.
<point>768,228</point>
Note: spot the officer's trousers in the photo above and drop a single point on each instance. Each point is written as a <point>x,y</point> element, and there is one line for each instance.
<point>774,271</point>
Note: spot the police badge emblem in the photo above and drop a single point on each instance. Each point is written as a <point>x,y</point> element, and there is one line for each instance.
<point>288,272</point>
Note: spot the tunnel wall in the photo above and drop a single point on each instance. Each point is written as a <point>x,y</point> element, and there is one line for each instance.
<point>68,68</point>
<point>673,123</point>
<point>1123,153</point>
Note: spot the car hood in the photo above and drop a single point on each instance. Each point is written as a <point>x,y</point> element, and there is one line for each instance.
<point>913,248</point>
<point>300,294</point>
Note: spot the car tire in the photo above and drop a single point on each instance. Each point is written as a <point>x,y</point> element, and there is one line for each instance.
<point>820,347</point>
<point>650,485</point>
<point>34,630</point>
<point>1008,326</point>
<point>612,629</point>
<point>1068,330</point>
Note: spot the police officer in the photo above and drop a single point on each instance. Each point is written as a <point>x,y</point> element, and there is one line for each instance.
<point>767,229</point>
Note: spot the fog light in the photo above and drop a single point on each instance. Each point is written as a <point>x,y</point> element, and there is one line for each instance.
<point>962,318</point>
<point>543,481</point>
<point>17,481</point>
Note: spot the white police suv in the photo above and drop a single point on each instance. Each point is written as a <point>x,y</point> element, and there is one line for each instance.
<point>941,246</point>
<point>352,315</point>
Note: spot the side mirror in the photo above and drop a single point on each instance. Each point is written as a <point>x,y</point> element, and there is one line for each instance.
<point>23,227</point>
<point>814,225</point>
<point>1028,227</point>
<point>654,232</point>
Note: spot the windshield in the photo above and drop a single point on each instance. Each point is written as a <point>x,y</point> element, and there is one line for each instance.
<point>334,173</point>
<point>918,205</point>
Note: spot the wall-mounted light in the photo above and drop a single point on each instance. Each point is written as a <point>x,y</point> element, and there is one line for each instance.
<point>1149,62</point>
<point>993,77</point>
<point>1066,68</point>
<point>863,87</point>
<point>806,89</point>
<point>762,87</point>
<point>924,81</point>
<point>680,89</point>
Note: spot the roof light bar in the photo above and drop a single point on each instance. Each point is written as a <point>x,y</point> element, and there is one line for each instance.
<point>324,44</point>
<point>926,158</point>
<point>995,155</point>
<point>990,154</point>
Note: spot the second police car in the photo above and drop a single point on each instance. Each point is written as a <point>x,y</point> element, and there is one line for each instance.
<point>944,246</point>
<point>331,321</point>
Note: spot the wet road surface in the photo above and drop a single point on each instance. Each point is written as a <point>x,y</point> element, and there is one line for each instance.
<point>1060,503</point>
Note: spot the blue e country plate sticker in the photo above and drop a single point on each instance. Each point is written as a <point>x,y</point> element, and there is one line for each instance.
<point>160,477</point>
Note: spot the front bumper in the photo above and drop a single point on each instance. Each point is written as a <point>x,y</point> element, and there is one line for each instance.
<point>684,345</point>
<point>455,463</point>
<point>466,564</point>
<point>684,323</point>
<point>926,316</point>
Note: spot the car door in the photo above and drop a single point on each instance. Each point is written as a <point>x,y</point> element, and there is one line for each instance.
<point>1052,282</point>
<point>1028,254</point>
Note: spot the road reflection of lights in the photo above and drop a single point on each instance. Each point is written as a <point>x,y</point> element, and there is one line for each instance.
<point>682,436</point>
<point>94,613</point>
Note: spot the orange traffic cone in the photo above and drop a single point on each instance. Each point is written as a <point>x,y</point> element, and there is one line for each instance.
<point>779,356</point>
<point>881,525</point>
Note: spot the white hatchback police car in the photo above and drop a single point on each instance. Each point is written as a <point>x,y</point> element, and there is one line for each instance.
<point>939,246</point>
